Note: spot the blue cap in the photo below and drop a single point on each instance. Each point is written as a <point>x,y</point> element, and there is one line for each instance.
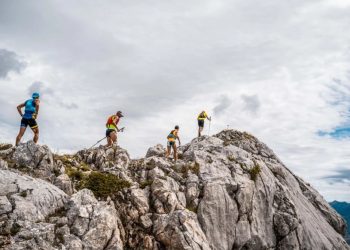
<point>35,95</point>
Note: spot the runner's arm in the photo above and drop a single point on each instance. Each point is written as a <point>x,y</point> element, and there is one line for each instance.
<point>115,123</point>
<point>178,138</point>
<point>37,104</point>
<point>19,109</point>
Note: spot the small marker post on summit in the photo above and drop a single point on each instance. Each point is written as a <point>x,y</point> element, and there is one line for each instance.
<point>209,126</point>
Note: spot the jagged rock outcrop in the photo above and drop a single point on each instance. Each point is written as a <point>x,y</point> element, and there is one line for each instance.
<point>26,202</point>
<point>96,224</point>
<point>229,191</point>
<point>37,215</point>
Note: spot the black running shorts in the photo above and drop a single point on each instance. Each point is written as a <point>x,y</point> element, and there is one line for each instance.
<point>29,122</point>
<point>201,123</point>
<point>109,131</point>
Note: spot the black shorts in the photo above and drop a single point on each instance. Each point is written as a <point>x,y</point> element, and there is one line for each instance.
<point>29,122</point>
<point>109,131</point>
<point>201,123</point>
<point>171,143</point>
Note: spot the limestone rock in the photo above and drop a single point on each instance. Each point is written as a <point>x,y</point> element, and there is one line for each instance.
<point>157,150</point>
<point>37,159</point>
<point>95,223</point>
<point>64,183</point>
<point>180,230</point>
<point>228,191</point>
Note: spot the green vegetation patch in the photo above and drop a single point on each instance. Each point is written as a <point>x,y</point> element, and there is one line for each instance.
<point>192,208</point>
<point>84,166</point>
<point>65,159</point>
<point>74,173</point>
<point>254,172</point>
<point>231,158</point>
<point>4,146</point>
<point>248,136</point>
<point>146,183</point>
<point>15,229</point>
<point>56,172</point>
<point>103,184</point>
<point>23,193</point>
<point>194,168</point>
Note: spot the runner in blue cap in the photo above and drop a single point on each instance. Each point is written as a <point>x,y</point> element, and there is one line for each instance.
<point>31,110</point>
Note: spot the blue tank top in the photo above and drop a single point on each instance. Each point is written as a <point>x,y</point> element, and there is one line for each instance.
<point>30,109</point>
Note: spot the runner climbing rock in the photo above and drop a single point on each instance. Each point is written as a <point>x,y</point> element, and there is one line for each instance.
<point>174,134</point>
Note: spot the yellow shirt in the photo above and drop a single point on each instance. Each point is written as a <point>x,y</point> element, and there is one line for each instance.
<point>173,135</point>
<point>202,116</point>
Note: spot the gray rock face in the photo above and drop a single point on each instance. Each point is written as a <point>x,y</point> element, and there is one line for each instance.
<point>64,183</point>
<point>37,159</point>
<point>103,158</point>
<point>32,199</point>
<point>28,207</point>
<point>180,230</point>
<point>229,191</point>
<point>157,150</point>
<point>25,203</point>
<point>96,223</point>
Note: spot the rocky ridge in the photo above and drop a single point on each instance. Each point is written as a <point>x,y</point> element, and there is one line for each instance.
<point>229,191</point>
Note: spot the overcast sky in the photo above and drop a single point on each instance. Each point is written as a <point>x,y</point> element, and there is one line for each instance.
<point>277,69</point>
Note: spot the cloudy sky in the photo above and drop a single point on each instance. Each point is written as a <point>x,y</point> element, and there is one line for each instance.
<point>277,69</point>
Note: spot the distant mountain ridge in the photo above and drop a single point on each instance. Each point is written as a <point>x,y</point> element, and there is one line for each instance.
<point>343,208</point>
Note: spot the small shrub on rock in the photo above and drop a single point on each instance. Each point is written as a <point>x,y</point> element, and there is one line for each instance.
<point>254,172</point>
<point>146,183</point>
<point>84,166</point>
<point>231,158</point>
<point>23,194</point>
<point>194,168</point>
<point>15,229</point>
<point>5,146</point>
<point>192,208</point>
<point>74,173</point>
<point>103,184</point>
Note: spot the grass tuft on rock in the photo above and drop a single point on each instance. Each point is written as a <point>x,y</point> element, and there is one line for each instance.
<point>74,173</point>
<point>103,184</point>
<point>84,167</point>
<point>23,193</point>
<point>231,158</point>
<point>5,146</point>
<point>194,168</point>
<point>146,183</point>
<point>15,229</point>
<point>254,172</point>
<point>192,208</point>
